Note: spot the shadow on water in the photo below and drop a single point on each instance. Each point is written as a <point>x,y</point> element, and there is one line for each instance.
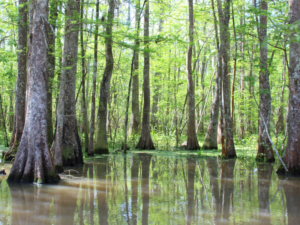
<point>152,188</point>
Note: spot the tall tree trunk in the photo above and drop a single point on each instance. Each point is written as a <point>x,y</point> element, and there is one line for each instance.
<point>20,99</point>
<point>145,141</point>
<point>279,125</point>
<point>265,150</point>
<point>192,142</point>
<point>93,109</point>
<point>203,68</point>
<point>251,127</point>
<point>33,161</point>
<point>66,148</point>
<point>241,134</point>
<point>224,17</point>
<point>51,65</point>
<point>101,146</point>
<point>83,74</point>
<point>135,112</point>
<point>157,87</point>
<point>292,152</point>
<point>210,141</point>
<point>232,107</point>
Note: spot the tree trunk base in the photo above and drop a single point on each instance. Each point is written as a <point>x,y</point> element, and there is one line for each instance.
<point>208,147</point>
<point>260,158</point>
<point>101,151</point>
<point>229,156</point>
<point>59,168</point>
<point>145,144</point>
<point>294,171</point>
<point>265,153</point>
<point>90,154</point>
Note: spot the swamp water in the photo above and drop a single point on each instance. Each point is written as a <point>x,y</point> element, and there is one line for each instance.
<point>157,188</point>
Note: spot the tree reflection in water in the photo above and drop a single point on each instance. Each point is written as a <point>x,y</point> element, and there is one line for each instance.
<point>160,190</point>
<point>264,181</point>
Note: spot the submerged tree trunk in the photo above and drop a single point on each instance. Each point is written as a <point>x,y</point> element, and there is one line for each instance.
<point>93,109</point>
<point>33,161</point>
<point>20,98</point>
<point>192,142</point>
<point>265,150</point>
<point>292,152</point>
<point>101,146</point>
<point>135,112</point>
<point>66,148</point>
<point>145,141</point>
<point>51,65</point>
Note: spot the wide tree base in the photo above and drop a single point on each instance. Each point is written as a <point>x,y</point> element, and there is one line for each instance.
<point>145,144</point>
<point>101,151</point>
<point>228,156</point>
<point>260,158</point>
<point>207,147</point>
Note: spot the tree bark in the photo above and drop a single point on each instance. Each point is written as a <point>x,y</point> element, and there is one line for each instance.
<point>51,65</point>
<point>157,87</point>
<point>224,17</point>
<point>83,74</point>
<point>145,141</point>
<point>210,141</point>
<point>20,99</point>
<point>101,146</point>
<point>93,109</point>
<point>135,112</point>
<point>192,142</point>
<point>265,150</point>
<point>66,148</point>
<point>292,152</point>
<point>33,161</point>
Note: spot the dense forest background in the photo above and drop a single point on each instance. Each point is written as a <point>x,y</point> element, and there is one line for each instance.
<point>167,46</point>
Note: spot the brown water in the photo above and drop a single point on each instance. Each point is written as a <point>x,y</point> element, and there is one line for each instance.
<point>157,188</point>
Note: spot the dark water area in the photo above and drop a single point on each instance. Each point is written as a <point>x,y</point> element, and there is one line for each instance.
<point>157,188</point>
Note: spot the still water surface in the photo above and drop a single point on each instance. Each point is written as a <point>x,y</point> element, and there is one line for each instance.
<point>157,188</point>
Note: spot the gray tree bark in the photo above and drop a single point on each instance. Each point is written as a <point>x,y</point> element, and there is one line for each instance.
<point>101,146</point>
<point>84,73</point>
<point>210,141</point>
<point>265,150</point>
<point>93,109</point>
<point>224,16</point>
<point>292,152</point>
<point>192,142</point>
<point>157,87</point>
<point>20,98</point>
<point>66,148</point>
<point>33,161</point>
<point>51,65</point>
<point>135,112</point>
<point>145,141</point>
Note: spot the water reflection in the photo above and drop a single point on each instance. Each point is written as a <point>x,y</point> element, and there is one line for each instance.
<point>154,189</point>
